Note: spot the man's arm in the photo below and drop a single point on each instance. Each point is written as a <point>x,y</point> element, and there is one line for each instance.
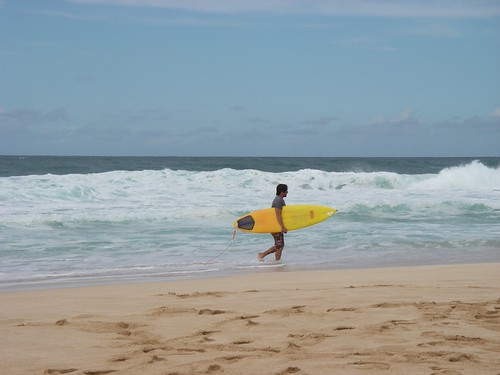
<point>280,219</point>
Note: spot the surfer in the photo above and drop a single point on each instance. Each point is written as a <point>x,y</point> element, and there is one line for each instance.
<point>279,238</point>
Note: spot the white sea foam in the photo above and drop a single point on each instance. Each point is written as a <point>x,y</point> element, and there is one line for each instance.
<point>84,226</point>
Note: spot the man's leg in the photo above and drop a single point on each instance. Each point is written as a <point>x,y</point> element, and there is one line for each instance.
<point>278,253</point>
<point>271,250</point>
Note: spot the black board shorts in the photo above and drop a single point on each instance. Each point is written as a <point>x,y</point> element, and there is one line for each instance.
<point>279,239</point>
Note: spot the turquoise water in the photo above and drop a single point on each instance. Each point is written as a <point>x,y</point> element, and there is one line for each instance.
<point>90,220</point>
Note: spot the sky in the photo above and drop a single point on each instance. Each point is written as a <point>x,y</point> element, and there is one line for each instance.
<point>321,78</point>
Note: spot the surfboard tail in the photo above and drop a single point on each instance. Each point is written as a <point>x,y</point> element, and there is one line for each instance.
<point>245,223</point>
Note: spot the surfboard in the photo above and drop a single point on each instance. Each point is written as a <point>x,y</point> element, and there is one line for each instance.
<point>294,217</point>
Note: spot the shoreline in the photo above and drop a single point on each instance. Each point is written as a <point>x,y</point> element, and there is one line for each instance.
<point>441,319</point>
<point>258,269</point>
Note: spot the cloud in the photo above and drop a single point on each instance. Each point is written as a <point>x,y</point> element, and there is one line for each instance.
<point>237,108</point>
<point>72,16</point>
<point>407,134</point>
<point>157,132</point>
<point>256,120</point>
<point>85,79</point>
<point>21,120</point>
<point>365,8</point>
<point>435,29</point>
<point>484,125</point>
<point>322,121</point>
<point>407,123</point>
<point>365,42</point>
<point>33,131</point>
<point>408,115</point>
<point>151,19</point>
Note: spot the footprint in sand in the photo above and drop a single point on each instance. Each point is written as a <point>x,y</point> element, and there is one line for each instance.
<point>371,365</point>
<point>308,339</point>
<point>211,312</point>
<point>241,342</point>
<point>343,309</point>
<point>214,368</point>
<point>167,310</point>
<point>289,370</point>
<point>343,328</point>
<point>387,305</point>
<point>196,294</point>
<point>119,358</point>
<point>287,310</point>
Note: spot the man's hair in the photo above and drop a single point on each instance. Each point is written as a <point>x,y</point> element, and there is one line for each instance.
<point>281,188</point>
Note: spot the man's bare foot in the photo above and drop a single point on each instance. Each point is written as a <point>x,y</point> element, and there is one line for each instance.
<point>260,256</point>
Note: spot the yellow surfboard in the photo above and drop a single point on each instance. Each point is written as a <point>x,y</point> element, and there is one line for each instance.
<point>294,217</point>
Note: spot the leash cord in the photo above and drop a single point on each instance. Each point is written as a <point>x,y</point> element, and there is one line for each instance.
<point>223,251</point>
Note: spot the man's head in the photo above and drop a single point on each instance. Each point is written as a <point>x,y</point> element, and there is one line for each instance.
<point>281,188</point>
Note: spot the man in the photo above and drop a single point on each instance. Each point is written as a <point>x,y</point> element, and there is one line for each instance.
<point>279,238</point>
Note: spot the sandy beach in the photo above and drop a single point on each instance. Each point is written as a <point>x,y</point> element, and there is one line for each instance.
<point>416,320</point>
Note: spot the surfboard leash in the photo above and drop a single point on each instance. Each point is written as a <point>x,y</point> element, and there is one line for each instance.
<point>223,251</point>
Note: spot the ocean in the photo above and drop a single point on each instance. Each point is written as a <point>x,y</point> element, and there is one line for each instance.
<point>69,221</point>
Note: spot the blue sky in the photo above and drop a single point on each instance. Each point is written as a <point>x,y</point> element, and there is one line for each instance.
<point>250,78</point>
